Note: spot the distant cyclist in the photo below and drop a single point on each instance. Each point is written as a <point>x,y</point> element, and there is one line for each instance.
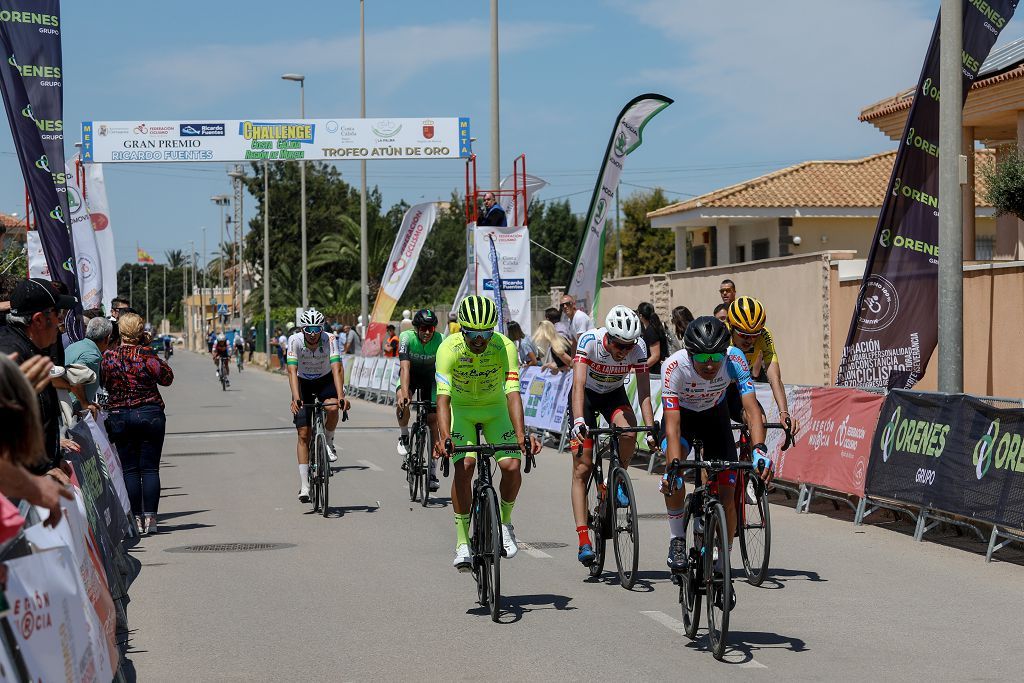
<point>477,375</point>
<point>220,350</point>
<point>417,351</point>
<point>314,371</point>
<point>604,358</point>
<point>239,348</point>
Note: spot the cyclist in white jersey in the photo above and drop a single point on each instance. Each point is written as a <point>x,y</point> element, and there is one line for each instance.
<point>604,357</point>
<point>314,370</point>
<point>693,396</point>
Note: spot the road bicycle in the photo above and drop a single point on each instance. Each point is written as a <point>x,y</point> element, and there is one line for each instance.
<point>239,353</point>
<point>222,373</point>
<point>485,541</point>
<point>418,455</point>
<point>708,570</point>
<point>319,471</point>
<point>607,516</point>
<point>753,514</point>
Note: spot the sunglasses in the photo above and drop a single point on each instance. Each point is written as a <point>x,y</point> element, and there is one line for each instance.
<point>708,357</point>
<point>426,328</point>
<point>746,335</point>
<point>313,329</point>
<point>725,291</point>
<point>621,345</point>
<point>565,305</point>
<point>478,334</point>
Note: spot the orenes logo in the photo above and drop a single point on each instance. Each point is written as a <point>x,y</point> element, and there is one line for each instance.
<point>879,304</point>
<point>43,164</point>
<point>888,441</point>
<point>885,239</point>
<point>985,449</point>
<point>27,112</point>
<point>57,214</point>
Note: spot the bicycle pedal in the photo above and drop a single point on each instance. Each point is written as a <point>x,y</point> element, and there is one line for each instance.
<point>677,579</point>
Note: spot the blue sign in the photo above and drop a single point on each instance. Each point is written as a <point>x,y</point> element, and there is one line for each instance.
<point>222,309</point>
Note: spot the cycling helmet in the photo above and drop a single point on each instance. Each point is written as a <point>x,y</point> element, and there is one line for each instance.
<point>311,317</point>
<point>746,315</point>
<point>706,334</point>
<point>477,313</point>
<point>222,337</point>
<point>623,323</point>
<point>424,318</point>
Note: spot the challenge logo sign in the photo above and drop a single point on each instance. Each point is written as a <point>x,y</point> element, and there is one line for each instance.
<point>301,132</point>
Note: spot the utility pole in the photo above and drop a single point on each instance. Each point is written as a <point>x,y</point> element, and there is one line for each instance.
<point>266,261</point>
<point>146,268</point>
<point>495,127</point>
<point>364,269</point>
<point>237,175</point>
<point>951,246</point>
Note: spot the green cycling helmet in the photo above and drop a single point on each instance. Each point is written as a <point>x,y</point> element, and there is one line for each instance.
<point>477,313</point>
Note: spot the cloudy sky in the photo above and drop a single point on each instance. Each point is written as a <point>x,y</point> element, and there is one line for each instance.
<point>757,86</point>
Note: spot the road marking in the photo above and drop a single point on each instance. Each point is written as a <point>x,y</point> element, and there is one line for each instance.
<point>369,465</point>
<point>677,626</point>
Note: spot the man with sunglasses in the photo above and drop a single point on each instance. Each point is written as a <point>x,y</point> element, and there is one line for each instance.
<point>604,357</point>
<point>576,321</point>
<point>314,370</point>
<point>417,352</point>
<point>693,397</point>
<point>477,373</point>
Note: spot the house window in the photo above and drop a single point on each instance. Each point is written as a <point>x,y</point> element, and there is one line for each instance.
<point>741,253</point>
<point>760,249</point>
<point>984,247</point>
<point>700,257</point>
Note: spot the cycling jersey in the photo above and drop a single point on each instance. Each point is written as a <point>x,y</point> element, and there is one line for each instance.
<point>315,362</point>
<point>761,356</point>
<point>684,389</point>
<point>420,356</point>
<point>604,373</point>
<point>221,349</point>
<point>477,379</point>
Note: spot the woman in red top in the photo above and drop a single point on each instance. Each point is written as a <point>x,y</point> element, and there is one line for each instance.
<point>131,373</point>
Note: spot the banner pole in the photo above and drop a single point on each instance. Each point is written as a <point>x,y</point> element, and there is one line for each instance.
<point>951,273</point>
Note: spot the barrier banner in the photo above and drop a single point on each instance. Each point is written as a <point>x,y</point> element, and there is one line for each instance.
<point>511,252</point>
<point>107,520</point>
<point>833,447</point>
<point>953,453</point>
<point>894,327</point>
<point>413,233</point>
<point>545,397</point>
<point>634,401</point>
<point>106,449</point>
<point>48,616</point>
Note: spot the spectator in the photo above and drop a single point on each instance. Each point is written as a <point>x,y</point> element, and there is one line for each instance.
<point>524,345</point>
<point>119,306</point>
<point>353,342</point>
<point>554,316</point>
<point>406,323</point>
<point>252,342</point>
<point>575,320</point>
<point>654,336</point>
<point>89,352</point>
<point>7,284</point>
<point>553,348</point>
<point>492,213</point>
<point>681,318</point>
<point>22,442</point>
<point>360,329</point>
<point>453,323</point>
<point>131,374</point>
<point>342,337</point>
<point>211,339</point>
<point>90,313</point>
<point>32,327</point>
<point>391,343</point>
<point>728,291</point>
<point>722,313</point>
<point>282,349</point>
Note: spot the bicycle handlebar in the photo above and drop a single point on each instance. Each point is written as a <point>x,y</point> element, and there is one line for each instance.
<point>615,430</point>
<point>771,425</point>
<point>492,448</point>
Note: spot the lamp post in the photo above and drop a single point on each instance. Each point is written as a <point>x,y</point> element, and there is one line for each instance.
<point>266,261</point>
<point>237,175</point>
<point>302,185</point>
<point>221,200</point>
<point>364,271</point>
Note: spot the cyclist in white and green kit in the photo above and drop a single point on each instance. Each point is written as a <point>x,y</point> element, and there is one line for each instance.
<point>417,349</point>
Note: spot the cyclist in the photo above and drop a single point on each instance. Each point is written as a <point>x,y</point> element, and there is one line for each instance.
<point>417,349</point>
<point>693,397</point>
<point>747,319</point>
<point>220,350</point>
<point>239,348</point>
<point>314,370</point>
<point>477,376</point>
<point>604,357</point>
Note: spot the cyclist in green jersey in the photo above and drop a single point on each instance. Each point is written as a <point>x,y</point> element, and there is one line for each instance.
<point>477,372</point>
<point>417,349</point>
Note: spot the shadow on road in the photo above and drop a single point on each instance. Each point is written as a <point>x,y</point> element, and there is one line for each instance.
<point>777,578</point>
<point>743,644</point>
<point>171,515</point>
<point>513,607</point>
<point>643,584</point>
<point>342,510</point>
<point>342,468</point>
<point>169,528</point>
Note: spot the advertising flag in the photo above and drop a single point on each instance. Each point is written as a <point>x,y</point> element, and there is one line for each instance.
<point>142,257</point>
<point>32,86</point>
<point>99,215</point>
<point>502,261</point>
<point>499,299</point>
<point>894,328</point>
<point>626,137</point>
<point>416,225</point>
<point>90,280</point>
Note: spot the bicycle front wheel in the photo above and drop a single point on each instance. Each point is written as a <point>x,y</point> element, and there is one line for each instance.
<point>690,580</point>
<point>423,460</point>
<point>718,578</point>
<point>755,531</point>
<point>411,466</point>
<point>314,475</point>
<point>625,530</point>
<point>595,522</point>
<point>325,471</point>
<point>491,547</point>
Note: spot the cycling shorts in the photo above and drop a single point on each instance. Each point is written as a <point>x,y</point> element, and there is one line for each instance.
<point>420,387</point>
<point>606,404</point>
<point>497,428</point>
<point>309,389</point>
<point>713,428</point>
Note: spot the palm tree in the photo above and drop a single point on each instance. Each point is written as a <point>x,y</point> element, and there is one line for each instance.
<point>344,245</point>
<point>175,258</point>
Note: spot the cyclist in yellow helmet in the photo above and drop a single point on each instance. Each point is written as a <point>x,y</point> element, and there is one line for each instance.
<point>477,375</point>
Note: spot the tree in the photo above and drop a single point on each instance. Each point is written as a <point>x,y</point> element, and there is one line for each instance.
<point>557,232</point>
<point>1005,185</point>
<point>175,258</point>
<point>131,284</point>
<point>644,250</point>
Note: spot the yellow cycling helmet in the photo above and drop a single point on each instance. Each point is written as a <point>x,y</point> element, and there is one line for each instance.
<point>746,315</point>
<point>477,313</point>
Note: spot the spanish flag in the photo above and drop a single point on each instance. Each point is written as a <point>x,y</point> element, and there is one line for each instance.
<point>142,257</point>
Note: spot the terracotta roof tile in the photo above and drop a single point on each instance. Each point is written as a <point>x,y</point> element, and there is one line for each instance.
<point>857,183</point>
<point>904,99</point>
<point>8,221</point>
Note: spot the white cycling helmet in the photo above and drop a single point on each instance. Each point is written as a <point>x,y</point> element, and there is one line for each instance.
<point>311,317</point>
<point>623,323</point>
<point>222,337</point>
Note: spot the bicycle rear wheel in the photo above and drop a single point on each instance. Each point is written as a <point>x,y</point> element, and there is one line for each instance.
<point>426,447</point>
<point>492,556</point>
<point>718,584</point>
<point>755,533</point>
<point>325,471</point>
<point>690,580</point>
<point>411,467</point>
<point>596,522</point>
<point>314,474</point>
<point>625,530</point>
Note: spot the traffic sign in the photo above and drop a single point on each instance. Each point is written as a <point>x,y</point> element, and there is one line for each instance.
<point>222,309</point>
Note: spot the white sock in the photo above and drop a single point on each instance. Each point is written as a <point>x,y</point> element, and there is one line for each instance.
<point>405,430</point>
<point>675,523</point>
<point>303,475</point>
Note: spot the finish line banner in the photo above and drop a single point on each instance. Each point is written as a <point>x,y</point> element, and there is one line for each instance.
<point>274,140</point>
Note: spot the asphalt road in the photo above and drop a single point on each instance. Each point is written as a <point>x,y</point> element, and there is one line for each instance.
<point>370,594</point>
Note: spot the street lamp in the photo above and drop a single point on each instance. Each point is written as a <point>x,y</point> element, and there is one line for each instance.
<point>237,175</point>
<point>221,200</point>
<point>302,184</point>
